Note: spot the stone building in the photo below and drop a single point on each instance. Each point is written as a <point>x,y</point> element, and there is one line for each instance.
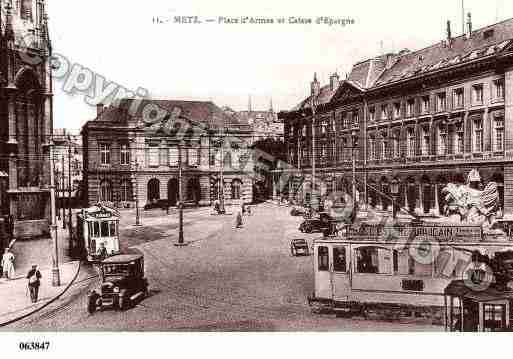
<point>420,118</point>
<point>127,155</point>
<point>26,108</point>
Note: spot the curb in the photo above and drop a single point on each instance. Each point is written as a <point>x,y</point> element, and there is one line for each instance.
<point>12,321</point>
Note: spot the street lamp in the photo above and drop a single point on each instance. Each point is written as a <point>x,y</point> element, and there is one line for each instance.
<point>394,190</point>
<point>314,109</point>
<point>181,242</point>
<point>137,215</point>
<point>56,278</point>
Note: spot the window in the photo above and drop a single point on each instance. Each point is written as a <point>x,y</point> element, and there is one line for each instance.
<point>193,157</point>
<point>324,126</point>
<point>442,140</point>
<point>164,157</point>
<point>372,114</point>
<point>153,156</point>
<point>339,259</point>
<point>459,98</point>
<point>105,191</point>
<point>236,186</point>
<point>323,259</point>
<point>477,97</point>
<point>125,154</point>
<point>125,191</point>
<point>333,125</point>
<point>303,132</point>
<point>425,141</point>
<point>384,112</point>
<point>441,102</point>
<point>410,108</point>
<point>410,143</point>
<point>356,118</point>
<point>458,139</point>
<point>499,89</point>
<point>478,135</point>
<point>343,120</point>
<point>26,9</point>
<point>105,154</point>
<point>173,156</point>
<point>373,260</point>
<point>397,110</point>
<point>372,148</point>
<point>499,134</point>
<point>425,104</point>
<point>384,147</point>
<point>396,149</point>
<point>405,264</point>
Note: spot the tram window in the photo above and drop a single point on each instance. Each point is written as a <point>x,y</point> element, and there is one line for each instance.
<point>112,229</point>
<point>105,229</point>
<point>406,264</point>
<point>323,258</point>
<point>445,265</point>
<point>373,260</point>
<point>96,229</point>
<point>339,259</point>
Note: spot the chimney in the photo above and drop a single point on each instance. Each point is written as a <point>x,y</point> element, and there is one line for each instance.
<point>469,26</point>
<point>334,81</point>
<point>449,34</point>
<point>99,109</point>
<point>315,86</point>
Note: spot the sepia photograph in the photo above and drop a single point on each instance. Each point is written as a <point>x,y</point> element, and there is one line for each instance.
<point>249,168</point>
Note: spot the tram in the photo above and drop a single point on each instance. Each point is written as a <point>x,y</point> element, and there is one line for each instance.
<point>401,269</point>
<point>96,226</point>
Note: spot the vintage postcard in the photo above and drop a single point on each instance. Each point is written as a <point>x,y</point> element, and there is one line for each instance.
<point>271,166</point>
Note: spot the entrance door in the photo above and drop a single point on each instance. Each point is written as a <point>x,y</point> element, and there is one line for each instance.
<point>153,190</point>
<point>172,192</point>
<point>340,274</point>
<point>323,285</point>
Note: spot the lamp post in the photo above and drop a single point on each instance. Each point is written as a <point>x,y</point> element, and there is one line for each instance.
<point>70,223</point>
<point>314,109</point>
<point>63,194</point>
<point>137,214</point>
<point>394,190</point>
<point>56,278</point>
<point>181,242</point>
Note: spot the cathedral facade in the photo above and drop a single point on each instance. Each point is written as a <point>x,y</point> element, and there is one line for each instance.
<point>26,110</point>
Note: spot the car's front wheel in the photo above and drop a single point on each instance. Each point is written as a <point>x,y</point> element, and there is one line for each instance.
<point>123,302</point>
<point>91,303</point>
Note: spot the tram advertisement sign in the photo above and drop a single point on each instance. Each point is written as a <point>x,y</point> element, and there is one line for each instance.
<point>433,232</point>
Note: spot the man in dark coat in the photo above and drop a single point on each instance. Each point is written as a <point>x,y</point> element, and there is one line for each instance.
<point>34,281</point>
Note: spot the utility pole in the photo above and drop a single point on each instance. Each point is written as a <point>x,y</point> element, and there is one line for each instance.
<point>181,242</point>
<point>70,223</point>
<point>56,278</point>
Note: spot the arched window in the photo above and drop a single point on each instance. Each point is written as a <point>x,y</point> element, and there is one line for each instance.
<point>105,191</point>
<point>26,9</point>
<point>227,159</point>
<point>125,191</point>
<point>236,189</point>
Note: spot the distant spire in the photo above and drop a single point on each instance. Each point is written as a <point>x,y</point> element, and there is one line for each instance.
<point>315,76</point>
<point>250,108</point>
<point>271,108</point>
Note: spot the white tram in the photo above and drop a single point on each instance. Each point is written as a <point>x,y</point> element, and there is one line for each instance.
<point>95,226</point>
<point>407,268</point>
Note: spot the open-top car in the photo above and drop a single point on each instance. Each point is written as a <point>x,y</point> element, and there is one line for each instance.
<point>122,283</point>
<point>299,246</point>
<point>323,224</point>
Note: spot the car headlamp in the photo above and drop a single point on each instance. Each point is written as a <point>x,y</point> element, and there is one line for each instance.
<point>116,289</point>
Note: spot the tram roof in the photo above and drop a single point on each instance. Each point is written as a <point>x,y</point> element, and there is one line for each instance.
<point>122,258</point>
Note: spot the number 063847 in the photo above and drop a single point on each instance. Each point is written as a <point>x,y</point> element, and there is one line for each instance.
<point>29,346</point>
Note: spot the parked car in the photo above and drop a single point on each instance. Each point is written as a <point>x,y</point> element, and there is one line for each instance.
<point>122,283</point>
<point>299,246</point>
<point>322,224</point>
<point>297,211</point>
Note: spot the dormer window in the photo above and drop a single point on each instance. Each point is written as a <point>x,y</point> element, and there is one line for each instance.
<point>477,94</point>
<point>397,110</point>
<point>458,98</point>
<point>425,105</point>
<point>441,102</point>
<point>499,89</point>
<point>384,112</point>
<point>410,108</point>
<point>372,114</point>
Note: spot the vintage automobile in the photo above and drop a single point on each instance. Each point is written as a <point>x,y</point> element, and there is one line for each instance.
<point>299,246</point>
<point>323,224</point>
<point>122,283</point>
<point>298,211</point>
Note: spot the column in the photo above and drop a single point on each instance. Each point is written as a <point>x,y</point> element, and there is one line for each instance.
<point>420,200</point>
<point>406,187</point>
<point>508,143</point>
<point>13,183</point>
<point>275,193</point>
<point>436,206</point>
<point>11,113</point>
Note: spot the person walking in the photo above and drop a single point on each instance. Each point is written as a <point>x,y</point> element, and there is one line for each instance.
<point>238,221</point>
<point>34,282</point>
<point>8,264</point>
<point>102,252</point>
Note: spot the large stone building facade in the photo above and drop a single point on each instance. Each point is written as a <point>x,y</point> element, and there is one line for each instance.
<point>422,119</point>
<point>126,157</point>
<point>26,109</point>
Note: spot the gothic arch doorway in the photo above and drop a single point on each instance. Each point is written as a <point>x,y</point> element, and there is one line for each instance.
<point>153,190</point>
<point>194,190</point>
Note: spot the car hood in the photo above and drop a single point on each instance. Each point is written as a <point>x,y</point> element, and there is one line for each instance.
<point>113,281</point>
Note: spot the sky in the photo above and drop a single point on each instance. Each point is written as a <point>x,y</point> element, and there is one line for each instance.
<point>226,62</point>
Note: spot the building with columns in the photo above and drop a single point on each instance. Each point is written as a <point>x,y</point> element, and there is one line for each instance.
<point>420,118</point>
<point>129,156</point>
<point>26,108</point>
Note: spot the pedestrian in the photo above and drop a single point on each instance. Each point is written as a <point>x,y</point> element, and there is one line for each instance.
<point>243,209</point>
<point>8,264</point>
<point>249,210</point>
<point>238,221</point>
<point>102,252</point>
<point>10,219</point>
<point>34,282</point>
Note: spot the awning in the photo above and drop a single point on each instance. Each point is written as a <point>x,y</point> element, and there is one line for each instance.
<point>459,289</point>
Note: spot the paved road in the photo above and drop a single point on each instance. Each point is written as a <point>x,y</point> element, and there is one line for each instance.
<point>226,279</point>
